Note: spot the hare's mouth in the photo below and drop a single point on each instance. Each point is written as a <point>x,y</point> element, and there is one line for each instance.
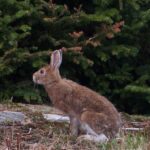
<point>35,80</point>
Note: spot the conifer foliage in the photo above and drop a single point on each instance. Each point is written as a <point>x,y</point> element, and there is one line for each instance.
<point>105,44</point>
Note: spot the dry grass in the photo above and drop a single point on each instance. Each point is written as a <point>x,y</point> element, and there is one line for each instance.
<point>39,134</point>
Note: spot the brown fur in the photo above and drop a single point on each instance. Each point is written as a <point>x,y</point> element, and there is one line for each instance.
<point>81,103</point>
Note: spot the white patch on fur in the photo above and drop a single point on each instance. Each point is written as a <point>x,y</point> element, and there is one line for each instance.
<point>99,138</point>
<point>87,129</point>
<point>91,135</point>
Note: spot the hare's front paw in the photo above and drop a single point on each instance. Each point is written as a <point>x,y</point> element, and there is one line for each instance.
<point>74,127</point>
<point>98,139</point>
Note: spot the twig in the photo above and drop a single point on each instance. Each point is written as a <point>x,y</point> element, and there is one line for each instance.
<point>30,129</point>
<point>18,141</point>
<point>133,129</point>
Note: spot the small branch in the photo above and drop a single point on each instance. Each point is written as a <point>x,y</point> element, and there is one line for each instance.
<point>121,4</point>
<point>18,141</point>
<point>37,54</point>
<point>29,132</point>
<point>133,129</point>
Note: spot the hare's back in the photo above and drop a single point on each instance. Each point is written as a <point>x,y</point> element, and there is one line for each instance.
<point>89,98</point>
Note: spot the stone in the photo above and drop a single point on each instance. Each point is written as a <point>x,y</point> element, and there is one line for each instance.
<point>56,118</point>
<point>11,116</point>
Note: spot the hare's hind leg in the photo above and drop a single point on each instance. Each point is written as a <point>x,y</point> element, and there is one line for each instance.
<point>92,124</point>
<point>98,122</point>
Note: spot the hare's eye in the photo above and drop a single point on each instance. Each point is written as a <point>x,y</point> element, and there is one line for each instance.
<point>42,71</point>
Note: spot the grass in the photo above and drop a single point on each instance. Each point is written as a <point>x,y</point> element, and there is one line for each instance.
<point>39,134</point>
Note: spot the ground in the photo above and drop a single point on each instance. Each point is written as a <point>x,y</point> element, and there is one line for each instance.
<point>35,133</point>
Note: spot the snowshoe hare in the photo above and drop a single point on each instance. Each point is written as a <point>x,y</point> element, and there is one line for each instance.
<point>90,113</point>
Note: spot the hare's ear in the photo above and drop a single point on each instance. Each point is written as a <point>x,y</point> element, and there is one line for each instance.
<point>56,59</point>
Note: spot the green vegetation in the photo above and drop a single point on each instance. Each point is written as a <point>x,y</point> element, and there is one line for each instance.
<point>97,55</point>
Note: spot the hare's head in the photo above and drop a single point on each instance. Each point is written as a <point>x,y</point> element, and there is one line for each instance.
<point>50,73</point>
